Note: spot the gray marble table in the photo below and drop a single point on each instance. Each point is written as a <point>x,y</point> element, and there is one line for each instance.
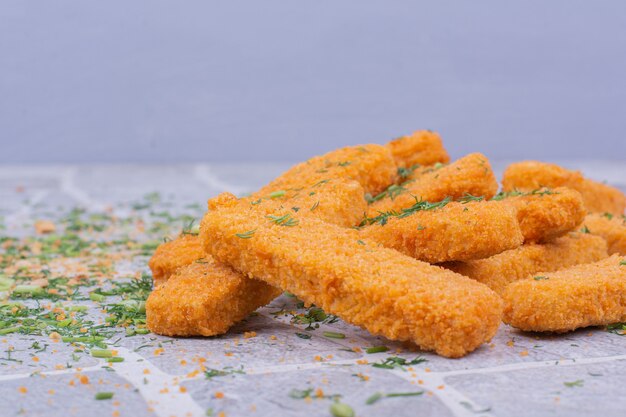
<point>265,366</point>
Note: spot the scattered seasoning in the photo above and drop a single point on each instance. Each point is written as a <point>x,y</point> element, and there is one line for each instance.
<point>284,220</point>
<point>104,395</point>
<point>376,349</point>
<point>419,205</point>
<point>395,362</point>
<point>338,409</point>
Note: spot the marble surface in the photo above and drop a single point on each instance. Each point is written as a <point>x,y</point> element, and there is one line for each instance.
<point>269,365</point>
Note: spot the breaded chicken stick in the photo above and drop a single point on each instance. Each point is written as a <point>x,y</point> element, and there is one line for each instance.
<point>448,231</point>
<point>379,289</point>
<point>532,175</point>
<point>372,166</point>
<point>611,228</point>
<point>194,301</point>
<point>173,255</point>
<point>471,174</point>
<point>498,271</point>
<point>204,298</point>
<point>580,296</point>
<point>422,147</point>
<point>545,214</point>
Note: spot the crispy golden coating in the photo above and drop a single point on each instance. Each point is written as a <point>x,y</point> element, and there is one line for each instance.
<point>338,201</point>
<point>471,174</point>
<point>188,303</point>
<point>422,147</point>
<point>547,214</point>
<point>455,231</point>
<point>580,296</point>
<point>204,298</point>
<point>372,166</point>
<point>498,271</point>
<point>172,255</point>
<point>531,175</point>
<point>380,289</point>
<point>611,228</point>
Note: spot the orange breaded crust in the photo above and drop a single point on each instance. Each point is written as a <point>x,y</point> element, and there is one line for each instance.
<point>547,214</point>
<point>455,231</point>
<point>531,175</point>
<point>422,147</point>
<point>338,201</point>
<point>471,174</point>
<point>380,289</point>
<point>204,299</point>
<point>372,166</point>
<point>611,228</point>
<point>498,271</point>
<point>170,256</point>
<point>580,296</point>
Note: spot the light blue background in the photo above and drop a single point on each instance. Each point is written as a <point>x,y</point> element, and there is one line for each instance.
<point>172,81</point>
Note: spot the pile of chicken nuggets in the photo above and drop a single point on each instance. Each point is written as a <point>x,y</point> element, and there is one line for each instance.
<point>399,240</point>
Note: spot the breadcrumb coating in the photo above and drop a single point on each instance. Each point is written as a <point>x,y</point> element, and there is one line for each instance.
<point>498,271</point>
<point>372,166</point>
<point>611,228</point>
<point>581,296</point>
<point>204,298</point>
<point>547,214</point>
<point>471,174</point>
<point>422,147</point>
<point>531,175</point>
<point>377,288</point>
<point>455,231</point>
<point>173,255</point>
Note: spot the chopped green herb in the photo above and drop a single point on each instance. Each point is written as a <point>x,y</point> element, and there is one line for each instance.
<point>277,194</point>
<point>540,278</point>
<point>246,235</point>
<point>378,395</point>
<point>104,395</point>
<point>395,362</point>
<point>334,335</point>
<point>577,383</point>
<point>284,220</point>
<point>376,349</point>
<point>338,409</point>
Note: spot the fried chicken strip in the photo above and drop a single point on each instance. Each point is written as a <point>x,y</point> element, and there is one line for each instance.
<point>611,228</point>
<point>206,297</point>
<point>532,175</point>
<point>580,296</point>
<point>377,288</point>
<point>498,271</point>
<point>471,174</point>
<point>545,214</point>
<point>444,232</point>
<point>173,255</point>
<point>422,147</point>
<point>372,166</point>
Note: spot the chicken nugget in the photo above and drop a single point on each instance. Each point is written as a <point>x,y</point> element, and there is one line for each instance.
<point>532,175</point>
<point>610,227</point>
<point>445,231</point>
<point>204,298</point>
<point>377,288</point>
<point>422,147</point>
<point>500,270</point>
<point>372,166</point>
<point>545,214</point>
<point>562,301</point>
<point>470,175</point>
<point>170,256</point>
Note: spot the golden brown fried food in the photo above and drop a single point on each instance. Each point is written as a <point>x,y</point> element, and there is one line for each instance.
<point>422,147</point>
<point>611,228</point>
<point>446,232</point>
<point>380,289</point>
<point>498,271</point>
<point>580,296</point>
<point>186,305</point>
<point>204,298</point>
<point>372,166</point>
<point>532,175</point>
<point>173,255</point>
<point>471,174</point>
<point>546,214</point>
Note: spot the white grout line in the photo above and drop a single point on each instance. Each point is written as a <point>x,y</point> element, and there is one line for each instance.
<point>68,186</point>
<point>204,174</point>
